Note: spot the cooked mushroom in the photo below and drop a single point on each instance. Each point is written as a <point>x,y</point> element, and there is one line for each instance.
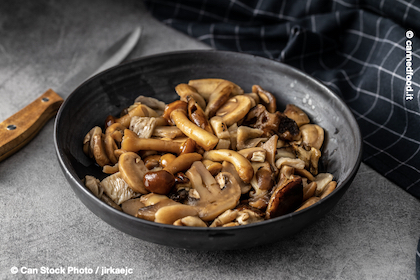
<point>234,110</point>
<point>132,206</point>
<point>206,87</point>
<point>212,166</point>
<point>113,137</point>
<point>169,214</point>
<point>132,170</point>
<point>170,132</point>
<point>162,181</point>
<point>216,194</point>
<point>148,212</point>
<point>309,202</point>
<point>176,105</point>
<point>266,98</point>
<point>247,216</point>
<point>117,189</point>
<point>202,137</point>
<point>248,137</point>
<point>224,218</point>
<point>143,126</point>
<point>152,103</point>
<point>286,198</point>
<point>218,97</point>
<point>309,190</point>
<point>295,113</point>
<point>190,221</point>
<point>94,146</point>
<point>271,149</point>
<point>185,91</point>
<point>255,154</point>
<point>310,157</point>
<point>312,135</point>
<point>293,162</point>
<point>329,188</point>
<point>132,143</point>
<point>242,165</point>
<point>230,168</point>
<point>322,180</point>
<point>136,110</point>
<point>219,127</point>
<point>197,115</point>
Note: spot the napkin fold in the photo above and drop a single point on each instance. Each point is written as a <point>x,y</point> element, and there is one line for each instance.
<point>367,52</point>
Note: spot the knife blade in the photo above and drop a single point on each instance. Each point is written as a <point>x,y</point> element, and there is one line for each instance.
<point>20,128</point>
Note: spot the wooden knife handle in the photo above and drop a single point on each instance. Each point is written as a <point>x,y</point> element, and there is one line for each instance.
<point>19,129</point>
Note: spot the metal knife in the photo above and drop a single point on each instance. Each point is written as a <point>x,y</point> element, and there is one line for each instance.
<point>19,129</point>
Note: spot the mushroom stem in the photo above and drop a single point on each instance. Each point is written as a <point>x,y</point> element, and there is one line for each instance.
<point>242,165</point>
<point>132,143</point>
<point>202,137</point>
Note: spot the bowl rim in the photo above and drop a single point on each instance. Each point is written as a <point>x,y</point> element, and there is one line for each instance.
<point>71,174</point>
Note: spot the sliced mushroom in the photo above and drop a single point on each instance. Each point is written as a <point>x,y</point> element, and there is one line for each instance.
<point>212,166</point>
<point>170,132</point>
<point>143,126</point>
<point>293,162</point>
<point>230,168</point>
<point>132,143</point>
<point>190,221</point>
<point>286,198</point>
<point>132,206</point>
<point>219,127</point>
<point>328,189</point>
<point>111,169</point>
<point>152,103</point>
<point>225,218</point>
<point>309,202</point>
<point>94,146</point>
<point>132,170</point>
<point>152,198</point>
<point>312,135</point>
<point>136,110</point>
<point>322,180</point>
<point>248,137</point>
<point>255,154</point>
<point>295,113</point>
<point>113,137</point>
<point>309,190</point>
<point>310,157</point>
<point>216,194</point>
<point>117,189</point>
<point>169,214</point>
<point>162,181</point>
<point>206,87</point>
<point>218,97</point>
<point>185,91</point>
<point>197,116</point>
<point>242,165</point>
<point>234,110</point>
<point>271,149</point>
<point>247,216</point>
<point>202,137</point>
<point>266,98</point>
<point>176,105</point>
<point>148,212</point>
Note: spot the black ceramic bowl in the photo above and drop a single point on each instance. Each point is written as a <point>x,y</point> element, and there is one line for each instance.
<point>111,91</point>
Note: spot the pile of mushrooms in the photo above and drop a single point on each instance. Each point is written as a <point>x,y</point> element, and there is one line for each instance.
<point>215,157</point>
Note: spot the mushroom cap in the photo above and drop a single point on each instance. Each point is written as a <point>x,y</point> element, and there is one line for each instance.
<point>132,170</point>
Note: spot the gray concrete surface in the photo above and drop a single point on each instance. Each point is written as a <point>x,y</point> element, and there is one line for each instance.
<point>371,234</point>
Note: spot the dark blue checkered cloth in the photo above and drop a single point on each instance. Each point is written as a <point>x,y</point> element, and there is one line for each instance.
<point>367,51</point>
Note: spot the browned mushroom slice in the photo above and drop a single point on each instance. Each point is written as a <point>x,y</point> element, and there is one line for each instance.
<point>170,132</point>
<point>132,143</point>
<point>162,181</point>
<point>190,221</point>
<point>235,109</point>
<point>219,97</point>
<point>230,168</point>
<point>132,170</point>
<point>149,212</point>
<point>266,98</point>
<point>197,116</point>
<point>152,103</point>
<point>138,110</point>
<point>206,87</point>
<point>171,213</point>
<point>242,165</point>
<point>295,113</point>
<point>216,194</point>
<point>185,92</point>
<point>132,206</point>
<point>176,105</point>
<point>202,137</point>
<point>286,198</point>
<point>312,135</point>
<point>271,148</point>
<point>248,137</point>
<point>94,146</point>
